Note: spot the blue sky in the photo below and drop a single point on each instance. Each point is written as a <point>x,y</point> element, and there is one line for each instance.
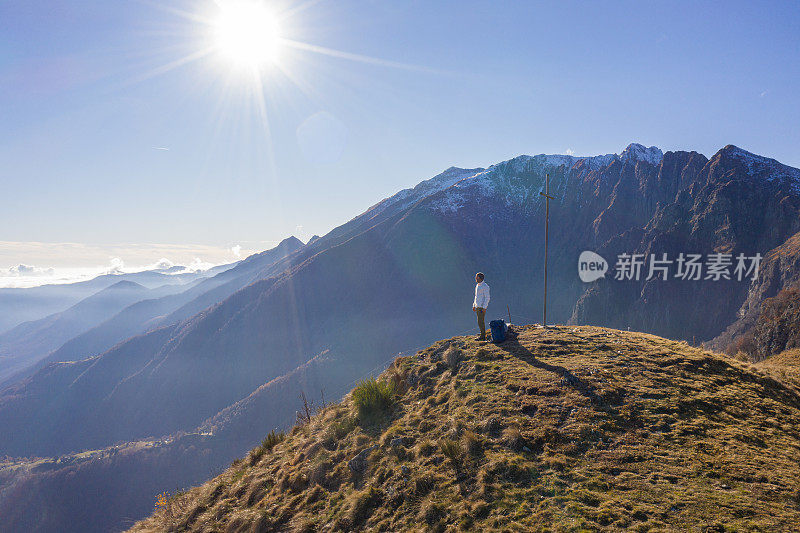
<point>102,143</point>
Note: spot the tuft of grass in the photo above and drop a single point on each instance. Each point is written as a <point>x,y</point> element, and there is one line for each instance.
<point>237,476</point>
<point>424,484</point>
<point>398,374</point>
<point>337,430</point>
<point>304,525</point>
<point>472,445</point>
<point>513,438</point>
<point>320,470</point>
<point>169,507</point>
<point>432,513</point>
<point>255,454</point>
<point>426,448</point>
<point>272,439</point>
<point>452,450</point>
<point>453,358</point>
<point>364,503</point>
<point>373,398</point>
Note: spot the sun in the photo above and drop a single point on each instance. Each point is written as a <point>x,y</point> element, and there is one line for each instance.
<point>246,34</point>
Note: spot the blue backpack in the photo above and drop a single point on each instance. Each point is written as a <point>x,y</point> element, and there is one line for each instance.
<point>498,328</point>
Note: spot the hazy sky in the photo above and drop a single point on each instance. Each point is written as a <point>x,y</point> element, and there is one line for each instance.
<point>103,142</point>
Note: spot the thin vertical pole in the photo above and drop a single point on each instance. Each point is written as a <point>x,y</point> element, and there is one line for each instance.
<point>546,238</point>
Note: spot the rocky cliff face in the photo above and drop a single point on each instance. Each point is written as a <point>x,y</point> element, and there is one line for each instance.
<point>734,203</point>
<point>780,270</point>
<point>776,329</point>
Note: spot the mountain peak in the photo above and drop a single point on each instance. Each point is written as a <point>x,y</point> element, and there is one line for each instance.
<point>759,165</point>
<point>638,152</point>
<point>290,242</point>
<point>452,170</point>
<point>731,150</point>
<point>124,284</point>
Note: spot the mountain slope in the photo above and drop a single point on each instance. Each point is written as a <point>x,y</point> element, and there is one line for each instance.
<point>774,329</point>
<point>780,270</point>
<point>560,428</point>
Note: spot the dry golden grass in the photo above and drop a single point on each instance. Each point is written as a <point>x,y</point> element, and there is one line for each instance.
<point>566,429</point>
<point>784,367</point>
<point>788,358</point>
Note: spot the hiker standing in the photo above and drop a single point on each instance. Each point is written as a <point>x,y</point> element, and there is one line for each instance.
<point>480,303</point>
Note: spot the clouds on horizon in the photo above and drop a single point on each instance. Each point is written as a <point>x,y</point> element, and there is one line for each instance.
<point>28,264</point>
<point>74,255</point>
<point>117,266</point>
<point>26,270</point>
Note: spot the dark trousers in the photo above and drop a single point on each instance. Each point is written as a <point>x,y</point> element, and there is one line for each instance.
<point>481,312</point>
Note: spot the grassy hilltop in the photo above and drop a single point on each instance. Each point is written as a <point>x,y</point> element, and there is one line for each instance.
<point>559,429</point>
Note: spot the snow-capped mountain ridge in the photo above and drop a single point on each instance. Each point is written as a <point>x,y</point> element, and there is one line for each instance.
<point>407,197</point>
<point>762,167</point>
<point>510,178</point>
<point>453,176</point>
<point>638,152</point>
<point>506,179</point>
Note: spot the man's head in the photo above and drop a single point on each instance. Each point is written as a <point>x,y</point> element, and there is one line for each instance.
<point>479,277</point>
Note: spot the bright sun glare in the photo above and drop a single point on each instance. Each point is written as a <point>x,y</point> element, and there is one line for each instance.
<point>246,34</point>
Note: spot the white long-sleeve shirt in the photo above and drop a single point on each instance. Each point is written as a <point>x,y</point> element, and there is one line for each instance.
<point>481,295</point>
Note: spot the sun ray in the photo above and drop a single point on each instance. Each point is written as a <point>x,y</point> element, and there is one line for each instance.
<point>299,45</point>
<point>306,88</point>
<point>172,65</point>
<point>297,9</point>
<point>188,15</point>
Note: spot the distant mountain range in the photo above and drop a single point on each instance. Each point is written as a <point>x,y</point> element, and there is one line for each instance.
<point>231,354</point>
<point>24,345</point>
<point>18,305</point>
<point>109,324</point>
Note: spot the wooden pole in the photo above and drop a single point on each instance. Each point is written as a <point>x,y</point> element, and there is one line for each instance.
<point>509,313</point>
<point>546,195</point>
